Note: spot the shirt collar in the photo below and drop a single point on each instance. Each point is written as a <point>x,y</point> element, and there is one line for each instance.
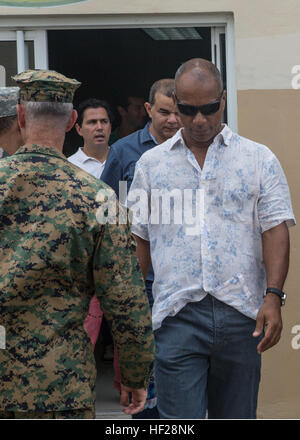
<point>145,135</point>
<point>82,157</point>
<point>34,148</point>
<point>222,138</point>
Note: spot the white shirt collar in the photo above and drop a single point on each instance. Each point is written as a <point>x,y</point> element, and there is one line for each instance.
<point>82,157</point>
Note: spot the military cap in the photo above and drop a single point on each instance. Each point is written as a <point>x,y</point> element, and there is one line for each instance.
<point>45,86</point>
<point>8,101</point>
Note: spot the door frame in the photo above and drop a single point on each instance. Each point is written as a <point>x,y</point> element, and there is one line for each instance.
<point>20,36</point>
<point>35,27</point>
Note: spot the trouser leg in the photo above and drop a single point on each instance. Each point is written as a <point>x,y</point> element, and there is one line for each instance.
<point>183,345</point>
<point>234,373</point>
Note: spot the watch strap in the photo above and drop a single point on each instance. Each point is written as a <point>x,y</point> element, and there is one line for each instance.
<point>278,292</point>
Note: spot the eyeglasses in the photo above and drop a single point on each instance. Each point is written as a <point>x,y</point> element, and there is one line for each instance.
<point>192,110</point>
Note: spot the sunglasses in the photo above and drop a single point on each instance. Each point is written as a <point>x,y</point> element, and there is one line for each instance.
<point>192,110</point>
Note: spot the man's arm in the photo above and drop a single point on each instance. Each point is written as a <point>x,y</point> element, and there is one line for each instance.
<point>143,254</point>
<point>276,249</point>
<point>139,396</point>
<point>121,290</point>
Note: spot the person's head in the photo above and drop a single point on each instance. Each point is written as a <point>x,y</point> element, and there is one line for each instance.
<point>10,135</point>
<point>200,98</point>
<point>94,123</point>
<point>132,111</point>
<point>46,110</point>
<point>162,111</point>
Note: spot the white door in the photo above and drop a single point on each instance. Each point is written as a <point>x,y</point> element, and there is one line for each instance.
<point>223,56</point>
<point>217,47</point>
<point>218,54</point>
<point>21,50</point>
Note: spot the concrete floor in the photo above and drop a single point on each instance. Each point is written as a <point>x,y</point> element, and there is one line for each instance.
<point>108,398</point>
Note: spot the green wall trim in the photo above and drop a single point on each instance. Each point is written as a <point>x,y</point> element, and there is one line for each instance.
<point>38,3</point>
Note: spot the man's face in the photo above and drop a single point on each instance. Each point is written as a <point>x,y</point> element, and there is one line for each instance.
<point>135,113</point>
<point>199,129</point>
<point>164,116</point>
<point>95,128</point>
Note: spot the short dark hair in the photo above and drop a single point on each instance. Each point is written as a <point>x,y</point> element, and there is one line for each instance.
<point>123,99</point>
<point>164,86</point>
<point>93,103</point>
<point>6,123</point>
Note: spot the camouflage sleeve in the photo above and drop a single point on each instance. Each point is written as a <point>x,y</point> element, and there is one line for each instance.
<point>121,290</point>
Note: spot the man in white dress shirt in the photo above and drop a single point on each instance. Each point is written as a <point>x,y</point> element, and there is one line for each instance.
<point>94,126</point>
<point>220,253</point>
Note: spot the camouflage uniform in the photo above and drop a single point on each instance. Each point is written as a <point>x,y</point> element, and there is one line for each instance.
<point>54,256</point>
<point>70,414</point>
<point>8,101</point>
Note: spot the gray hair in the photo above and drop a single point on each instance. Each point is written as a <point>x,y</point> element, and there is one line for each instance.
<point>60,112</point>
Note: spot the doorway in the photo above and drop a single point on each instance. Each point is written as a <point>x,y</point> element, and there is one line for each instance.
<point>112,62</point>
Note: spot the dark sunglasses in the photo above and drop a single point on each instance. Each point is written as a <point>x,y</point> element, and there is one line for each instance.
<point>192,110</point>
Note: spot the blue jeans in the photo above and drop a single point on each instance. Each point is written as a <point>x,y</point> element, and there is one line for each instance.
<point>207,361</point>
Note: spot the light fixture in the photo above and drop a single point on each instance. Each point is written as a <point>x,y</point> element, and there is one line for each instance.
<point>184,33</point>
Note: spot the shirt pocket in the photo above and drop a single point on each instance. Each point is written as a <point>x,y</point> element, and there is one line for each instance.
<point>240,202</point>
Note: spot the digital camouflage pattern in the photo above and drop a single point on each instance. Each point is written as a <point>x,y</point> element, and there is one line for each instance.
<point>54,255</point>
<point>8,101</point>
<point>71,414</point>
<point>45,86</point>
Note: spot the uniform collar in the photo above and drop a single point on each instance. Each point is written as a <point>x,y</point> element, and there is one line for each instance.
<point>34,148</point>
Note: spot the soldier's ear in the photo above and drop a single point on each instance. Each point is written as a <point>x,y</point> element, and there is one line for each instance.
<point>21,116</point>
<point>72,120</point>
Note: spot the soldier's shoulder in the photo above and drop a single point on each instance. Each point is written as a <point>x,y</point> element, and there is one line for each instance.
<point>88,181</point>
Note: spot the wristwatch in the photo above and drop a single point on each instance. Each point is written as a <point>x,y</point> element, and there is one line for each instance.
<point>278,292</point>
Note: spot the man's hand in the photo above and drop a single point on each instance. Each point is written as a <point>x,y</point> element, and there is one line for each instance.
<point>268,317</point>
<point>138,399</point>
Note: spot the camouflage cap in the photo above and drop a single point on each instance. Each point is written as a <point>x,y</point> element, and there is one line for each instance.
<point>8,101</point>
<point>45,86</point>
